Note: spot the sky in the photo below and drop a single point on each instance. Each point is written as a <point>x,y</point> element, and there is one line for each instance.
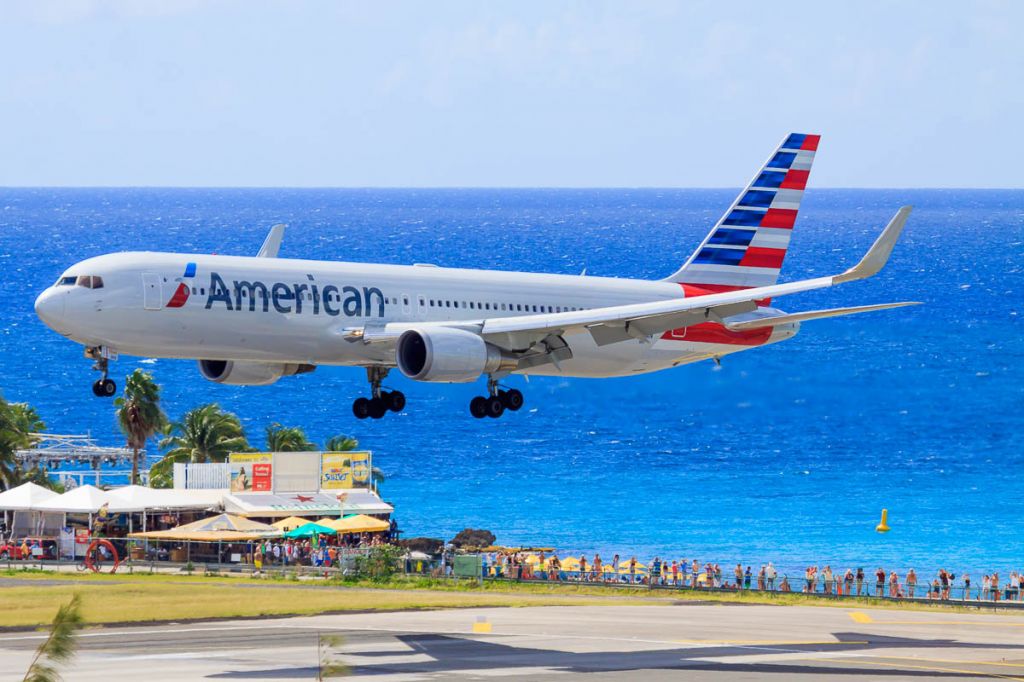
<point>494,94</point>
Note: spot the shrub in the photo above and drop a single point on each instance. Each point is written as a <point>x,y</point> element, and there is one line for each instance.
<point>380,564</point>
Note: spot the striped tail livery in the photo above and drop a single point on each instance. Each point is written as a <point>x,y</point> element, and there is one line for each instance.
<point>747,245</point>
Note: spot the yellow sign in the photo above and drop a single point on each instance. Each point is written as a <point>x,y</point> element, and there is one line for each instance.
<point>341,470</point>
<point>360,468</point>
<point>251,471</point>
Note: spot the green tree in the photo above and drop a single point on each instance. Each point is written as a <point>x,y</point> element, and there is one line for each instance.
<point>139,414</point>
<point>341,443</point>
<point>287,439</point>
<point>204,434</point>
<point>18,421</point>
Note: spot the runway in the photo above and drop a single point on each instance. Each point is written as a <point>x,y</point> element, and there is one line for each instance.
<point>695,642</point>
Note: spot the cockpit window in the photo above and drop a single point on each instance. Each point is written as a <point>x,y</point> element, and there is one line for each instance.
<point>90,282</point>
<point>66,281</point>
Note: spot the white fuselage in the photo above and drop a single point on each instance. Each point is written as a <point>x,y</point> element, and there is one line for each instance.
<point>303,311</point>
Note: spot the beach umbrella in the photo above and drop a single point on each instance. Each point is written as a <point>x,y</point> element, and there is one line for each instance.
<point>226,527</point>
<point>531,559</point>
<point>358,523</point>
<point>607,568</point>
<point>309,530</point>
<point>290,523</point>
<point>624,567</point>
<point>570,564</point>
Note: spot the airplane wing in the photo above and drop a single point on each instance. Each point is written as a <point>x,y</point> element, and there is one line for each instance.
<point>613,324</point>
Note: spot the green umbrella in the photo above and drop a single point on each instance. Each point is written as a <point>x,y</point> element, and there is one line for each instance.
<point>309,530</point>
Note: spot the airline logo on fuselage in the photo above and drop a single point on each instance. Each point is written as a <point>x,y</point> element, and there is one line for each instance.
<point>299,299</point>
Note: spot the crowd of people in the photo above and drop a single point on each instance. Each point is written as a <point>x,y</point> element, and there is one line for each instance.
<point>945,585</point>
<point>320,551</point>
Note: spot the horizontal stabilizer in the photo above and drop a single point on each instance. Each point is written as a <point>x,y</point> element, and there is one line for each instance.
<point>759,323</point>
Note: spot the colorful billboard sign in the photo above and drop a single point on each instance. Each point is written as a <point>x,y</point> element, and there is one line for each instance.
<point>251,471</point>
<point>342,470</point>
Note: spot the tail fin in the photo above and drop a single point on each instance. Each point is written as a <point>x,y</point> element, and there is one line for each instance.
<point>747,245</point>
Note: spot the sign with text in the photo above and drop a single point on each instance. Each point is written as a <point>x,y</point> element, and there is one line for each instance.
<point>251,471</point>
<point>341,470</point>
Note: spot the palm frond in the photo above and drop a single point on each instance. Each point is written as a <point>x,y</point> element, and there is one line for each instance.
<point>60,647</point>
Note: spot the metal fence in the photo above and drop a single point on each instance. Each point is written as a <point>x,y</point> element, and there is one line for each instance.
<point>1005,594</point>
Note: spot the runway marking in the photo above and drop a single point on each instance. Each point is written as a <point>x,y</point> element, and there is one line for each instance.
<point>765,642</point>
<point>860,617</point>
<point>952,660</point>
<point>861,659</point>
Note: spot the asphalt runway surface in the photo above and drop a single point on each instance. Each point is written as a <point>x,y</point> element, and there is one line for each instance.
<point>686,641</point>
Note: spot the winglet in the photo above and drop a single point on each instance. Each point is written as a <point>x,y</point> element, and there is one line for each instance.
<point>878,255</point>
<point>272,244</point>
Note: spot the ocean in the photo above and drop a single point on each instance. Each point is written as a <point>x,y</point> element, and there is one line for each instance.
<point>786,453</point>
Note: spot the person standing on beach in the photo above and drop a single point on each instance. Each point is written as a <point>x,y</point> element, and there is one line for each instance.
<point>848,580</point>
<point>746,579</point>
<point>761,579</point>
<point>894,585</point>
<point>911,583</point>
<point>879,582</point>
<point>675,573</point>
<point>738,572</point>
<point>826,580</point>
<point>597,567</point>
<point>860,579</point>
<point>769,576</point>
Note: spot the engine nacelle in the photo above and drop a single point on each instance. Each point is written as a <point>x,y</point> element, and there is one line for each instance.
<point>448,355</point>
<point>238,373</point>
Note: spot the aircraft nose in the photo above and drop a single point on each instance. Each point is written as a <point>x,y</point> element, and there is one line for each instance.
<point>50,308</point>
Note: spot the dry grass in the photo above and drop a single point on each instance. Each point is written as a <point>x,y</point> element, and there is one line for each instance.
<point>151,600</point>
<point>159,597</point>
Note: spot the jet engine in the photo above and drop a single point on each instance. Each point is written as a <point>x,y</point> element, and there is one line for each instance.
<point>448,355</point>
<point>237,373</point>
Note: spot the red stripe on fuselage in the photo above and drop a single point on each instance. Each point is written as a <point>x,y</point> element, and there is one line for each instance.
<point>713,332</point>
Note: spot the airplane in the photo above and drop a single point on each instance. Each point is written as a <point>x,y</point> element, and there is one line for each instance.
<point>253,320</point>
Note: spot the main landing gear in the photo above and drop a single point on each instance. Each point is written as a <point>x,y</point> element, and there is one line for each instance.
<point>102,387</point>
<point>497,401</point>
<point>380,401</point>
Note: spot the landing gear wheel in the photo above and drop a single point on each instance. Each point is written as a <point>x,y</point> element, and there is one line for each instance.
<point>395,400</point>
<point>494,406</point>
<point>104,388</point>
<point>361,408</point>
<point>377,408</point>
<point>513,399</point>
<point>478,407</point>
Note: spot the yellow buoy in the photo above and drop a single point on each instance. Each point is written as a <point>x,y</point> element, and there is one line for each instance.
<point>883,527</point>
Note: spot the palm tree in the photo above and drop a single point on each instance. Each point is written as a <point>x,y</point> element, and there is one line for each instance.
<point>287,439</point>
<point>139,414</point>
<point>341,443</point>
<point>205,434</point>
<point>18,421</point>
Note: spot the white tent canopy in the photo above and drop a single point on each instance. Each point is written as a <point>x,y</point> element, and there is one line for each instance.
<point>85,499</point>
<point>25,497</point>
<point>140,498</point>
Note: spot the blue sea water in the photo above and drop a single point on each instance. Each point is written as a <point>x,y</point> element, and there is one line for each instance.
<point>786,453</point>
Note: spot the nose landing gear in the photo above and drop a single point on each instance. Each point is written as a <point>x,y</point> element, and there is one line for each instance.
<point>380,402</point>
<point>497,401</point>
<point>102,387</point>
